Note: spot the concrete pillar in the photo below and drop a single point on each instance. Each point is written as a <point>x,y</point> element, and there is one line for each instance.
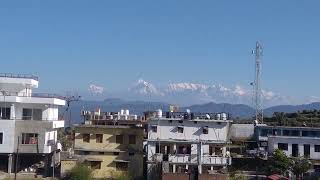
<point>187,166</point>
<point>211,168</point>
<point>174,168</point>
<point>175,148</point>
<point>10,163</point>
<point>12,112</point>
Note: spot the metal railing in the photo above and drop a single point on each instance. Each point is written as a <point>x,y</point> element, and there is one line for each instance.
<point>38,95</point>
<point>23,76</point>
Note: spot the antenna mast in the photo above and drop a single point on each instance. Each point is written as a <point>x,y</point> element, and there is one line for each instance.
<point>257,83</point>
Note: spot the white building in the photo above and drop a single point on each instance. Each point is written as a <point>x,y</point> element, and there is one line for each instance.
<point>28,122</point>
<point>186,142</point>
<point>293,141</point>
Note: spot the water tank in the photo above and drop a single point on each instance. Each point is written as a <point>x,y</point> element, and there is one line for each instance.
<point>224,116</point>
<point>135,117</point>
<point>121,112</point>
<point>126,112</point>
<point>159,113</point>
<point>218,116</point>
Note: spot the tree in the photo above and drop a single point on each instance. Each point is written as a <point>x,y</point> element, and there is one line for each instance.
<point>79,172</point>
<point>278,163</point>
<point>300,165</point>
<point>280,118</point>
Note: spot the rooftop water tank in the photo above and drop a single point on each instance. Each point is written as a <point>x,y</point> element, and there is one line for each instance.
<point>159,113</point>
<point>224,116</point>
<point>218,116</point>
<point>126,112</point>
<point>121,112</point>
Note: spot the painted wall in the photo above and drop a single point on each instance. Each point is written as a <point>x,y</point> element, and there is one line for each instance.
<point>274,140</point>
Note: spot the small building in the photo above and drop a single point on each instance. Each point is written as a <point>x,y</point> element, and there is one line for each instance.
<point>293,141</point>
<point>110,143</point>
<point>184,142</point>
<point>28,124</point>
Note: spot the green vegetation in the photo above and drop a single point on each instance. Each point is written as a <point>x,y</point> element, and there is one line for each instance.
<point>300,165</point>
<point>79,172</point>
<point>279,163</point>
<point>301,118</point>
<point>64,136</point>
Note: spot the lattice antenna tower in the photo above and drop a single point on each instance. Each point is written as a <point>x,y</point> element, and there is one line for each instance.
<point>257,91</point>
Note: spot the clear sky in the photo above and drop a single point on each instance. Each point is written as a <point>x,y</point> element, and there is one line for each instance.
<point>71,44</point>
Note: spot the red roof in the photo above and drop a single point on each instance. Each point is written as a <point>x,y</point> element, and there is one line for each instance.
<point>276,177</point>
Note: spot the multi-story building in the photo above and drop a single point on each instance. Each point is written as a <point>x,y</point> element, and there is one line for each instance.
<point>111,143</point>
<point>293,141</point>
<point>188,142</point>
<point>28,123</point>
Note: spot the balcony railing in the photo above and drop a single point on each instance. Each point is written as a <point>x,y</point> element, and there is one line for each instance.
<point>23,76</point>
<point>193,159</point>
<point>214,160</point>
<point>38,95</point>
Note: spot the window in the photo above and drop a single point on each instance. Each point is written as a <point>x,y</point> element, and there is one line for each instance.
<point>85,152</point>
<point>101,153</point>
<point>316,148</point>
<point>116,153</point>
<point>205,130</point>
<point>5,113</point>
<point>1,138</point>
<point>132,139</point>
<point>31,114</point>
<point>122,166</point>
<point>180,129</point>
<point>86,138</point>
<point>99,138</point>
<point>153,128</point>
<point>131,153</point>
<point>119,139</point>
<point>283,146</point>
<point>184,149</point>
<point>285,132</point>
<point>95,164</point>
<point>29,138</point>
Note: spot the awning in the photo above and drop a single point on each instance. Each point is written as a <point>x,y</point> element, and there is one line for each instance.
<point>119,160</point>
<point>93,159</point>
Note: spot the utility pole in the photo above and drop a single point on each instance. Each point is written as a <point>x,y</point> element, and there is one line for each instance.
<point>257,92</point>
<point>69,100</point>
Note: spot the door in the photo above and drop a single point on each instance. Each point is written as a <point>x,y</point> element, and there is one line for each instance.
<point>306,148</point>
<point>295,150</point>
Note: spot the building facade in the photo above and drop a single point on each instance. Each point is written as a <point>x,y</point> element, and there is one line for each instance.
<point>293,141</point>
<point>29,123</point>
<point>188,142</point>
<point>111,143</point>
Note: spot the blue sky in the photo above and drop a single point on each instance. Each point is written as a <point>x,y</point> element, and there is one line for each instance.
<point>71,44</point>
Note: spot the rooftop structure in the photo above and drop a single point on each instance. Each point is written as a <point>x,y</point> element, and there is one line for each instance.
<point>185,141</point>
<point>29,121</point>
<point>110,142</point>
<point>294,141</point>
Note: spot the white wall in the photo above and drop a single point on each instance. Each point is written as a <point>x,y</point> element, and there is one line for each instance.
<point>192,131</point>
<point>7,127</point>
<point>274,140</point>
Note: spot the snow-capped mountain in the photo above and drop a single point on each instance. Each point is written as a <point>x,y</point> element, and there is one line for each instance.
<point>185,93</point>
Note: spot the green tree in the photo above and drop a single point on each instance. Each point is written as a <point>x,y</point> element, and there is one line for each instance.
<point>280,118</point>
<point>300,166</point>
<point>278,163</point>
<point>79,172</point>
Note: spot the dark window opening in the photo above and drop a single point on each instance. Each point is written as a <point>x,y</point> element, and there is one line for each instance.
<point>5,113</point>
<point>99,138</point>
<point>116,153</point>
<point>131,153</point>
<point>95,164</point>
<point>132,139</point>
<point>283,146</point>
<point>29,138</point>
<point>316,148</point>
<point>180,129</point>
<point>119,139</point>
<point>154,128</point>
<point>1,138</point>
<point>86,138</point>
<point>121,166</point>
<point>205,130</point>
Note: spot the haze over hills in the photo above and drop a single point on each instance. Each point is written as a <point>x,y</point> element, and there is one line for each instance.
<point>138,107</point>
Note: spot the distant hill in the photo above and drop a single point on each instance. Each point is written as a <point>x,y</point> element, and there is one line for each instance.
<point>240,111</point>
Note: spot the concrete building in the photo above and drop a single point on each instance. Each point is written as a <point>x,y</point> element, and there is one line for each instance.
<point>294,141</point>
<point>188,142</point>
<point>110,143</point>
<point>28,123</point>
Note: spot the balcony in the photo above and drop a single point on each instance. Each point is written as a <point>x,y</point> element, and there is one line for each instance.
<point>214,160</point>
<point>183,158</point>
